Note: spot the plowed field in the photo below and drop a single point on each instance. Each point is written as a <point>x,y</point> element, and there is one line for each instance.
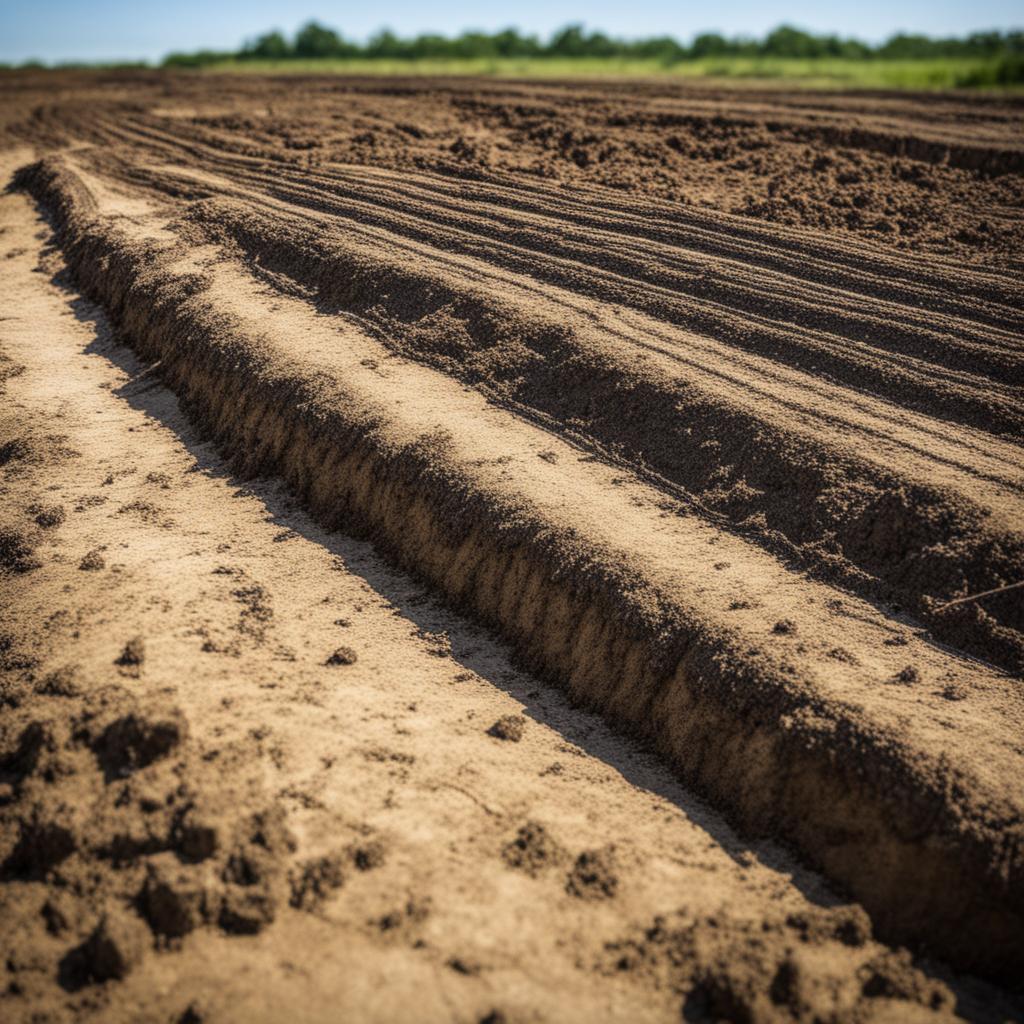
<point>509,552</point>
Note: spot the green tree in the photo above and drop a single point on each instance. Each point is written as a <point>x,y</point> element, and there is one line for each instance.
<point>385,44</point>
<point>430,46</point>
<point>315,40</point>
<point>271,46</point>
<point>475,44</point>
<point>1001,52</point>
<point>786,41</point>
<point>509,43</point>
<point>663,48</point>
<point>567,42</point>
<point>709,44</point>
<point>904,46</point>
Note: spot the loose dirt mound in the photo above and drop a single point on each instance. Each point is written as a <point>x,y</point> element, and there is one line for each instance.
<point>711,466</point>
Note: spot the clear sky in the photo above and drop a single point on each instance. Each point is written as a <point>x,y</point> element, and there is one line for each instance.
<point>54,30</point>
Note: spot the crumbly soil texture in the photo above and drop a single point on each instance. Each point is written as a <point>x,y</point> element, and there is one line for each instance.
<point>506,552</point>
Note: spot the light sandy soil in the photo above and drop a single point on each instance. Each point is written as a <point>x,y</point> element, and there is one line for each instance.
<point>256,769</point>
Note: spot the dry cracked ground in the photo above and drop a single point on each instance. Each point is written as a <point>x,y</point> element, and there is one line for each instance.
<point>483,552</point>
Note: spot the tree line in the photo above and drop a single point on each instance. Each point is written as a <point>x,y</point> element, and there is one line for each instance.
<point>314,41</point>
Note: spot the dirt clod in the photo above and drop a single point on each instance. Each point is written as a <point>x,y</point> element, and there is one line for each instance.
<point>532,850</point>
<point>367,856</point>
<point>133,654</point>
<point>17,550</point>
<point>342,656</point>
<point>92,561</point>
<point>172,899</point>
<point>246,911</point>
<point>313,881</point>
<point>593,876</point>
<point>508,727</point>
<point>114,948</point>
<point>62,682</point>
<point>137,740</point>
<point>50,516</point>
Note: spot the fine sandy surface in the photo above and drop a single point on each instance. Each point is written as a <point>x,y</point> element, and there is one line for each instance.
<point>478,552</point>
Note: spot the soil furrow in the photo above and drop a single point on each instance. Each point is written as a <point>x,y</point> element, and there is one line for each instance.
<point>723,303</point>
<point>655,412</point>
<point>699,669</point>
<point>698,404</point>
<point>291,809</point>
<point>750,258</point>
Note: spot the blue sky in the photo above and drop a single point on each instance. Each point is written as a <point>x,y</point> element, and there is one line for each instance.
<point>113,29</point>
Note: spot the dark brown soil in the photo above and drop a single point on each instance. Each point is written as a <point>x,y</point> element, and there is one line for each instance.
<point>705,403</point>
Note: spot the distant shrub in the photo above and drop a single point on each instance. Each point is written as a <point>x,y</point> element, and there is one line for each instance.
<point>199,59</point>
<point>998,54</point>
<point>314,40</point>
<point>1006,71</point>
<point>271,46</point>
